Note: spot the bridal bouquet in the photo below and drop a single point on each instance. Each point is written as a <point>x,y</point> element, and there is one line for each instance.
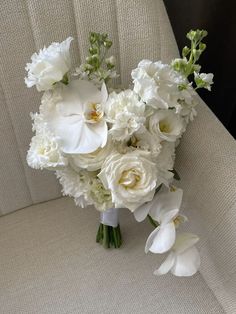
<point>115,148</point>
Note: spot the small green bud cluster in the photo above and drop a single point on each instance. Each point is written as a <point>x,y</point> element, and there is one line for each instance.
<point>97,66</point>
<point>188,65</point>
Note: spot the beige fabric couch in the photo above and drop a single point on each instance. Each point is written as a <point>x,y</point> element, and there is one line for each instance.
<point>49,261</point>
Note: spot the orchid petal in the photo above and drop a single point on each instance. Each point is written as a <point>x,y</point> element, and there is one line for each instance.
<point>187,263</point>
<point>166,265</point>
<point>168,216</point>
<point>165,200</point>
<point>184,241</point>
<point>164,239</point>
<point>151,238</point>
<point>142,211</point>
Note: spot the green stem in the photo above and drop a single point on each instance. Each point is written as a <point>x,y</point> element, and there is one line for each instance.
<point>109,236</point>
<point>153,222</point>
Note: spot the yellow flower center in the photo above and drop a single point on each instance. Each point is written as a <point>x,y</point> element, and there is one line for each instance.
<point>95,113</point>
<point>164,127</point>
<point>130,178</point>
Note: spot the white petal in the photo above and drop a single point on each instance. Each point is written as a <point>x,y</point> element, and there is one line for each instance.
<point>150,239</point>
<point>166,200</point>
<point>184,241</point>
<point>92,137</point>
<point>168,216</point>
<point>164,239</point>
<point>166,265</point>
<point>104,93</point>
<point>187,263</point>
<point>142,211</point>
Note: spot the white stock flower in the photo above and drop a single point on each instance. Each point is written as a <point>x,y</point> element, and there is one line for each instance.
<point>94,160</point>
<point>184,259</point>
<point>44,152</point>
<point>157,84</point>
<point>75,116</point>
<point>164,209</point>
<point>166,158</point>
<point>49,65</point>
<point>126,114</point>
<point>132,178</point>
<point>204,80</point>
<point>167,125</point>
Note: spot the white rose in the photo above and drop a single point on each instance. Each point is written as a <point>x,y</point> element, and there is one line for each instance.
<point>44,152</point>
<point>74,113</point>
<point>157,84</point>
<point>167,125</point>
<point>92,161</point>
<point>132,178</point>
<point>49,65</point>
<point>125,113</point>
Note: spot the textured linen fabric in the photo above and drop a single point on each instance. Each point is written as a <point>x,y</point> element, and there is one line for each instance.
<point>50,263</point>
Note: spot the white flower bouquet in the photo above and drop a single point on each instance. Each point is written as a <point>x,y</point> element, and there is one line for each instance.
<point>115,148</point>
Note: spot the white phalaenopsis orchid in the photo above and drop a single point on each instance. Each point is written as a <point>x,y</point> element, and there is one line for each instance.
<point>76,117</point>
<point>49,65</point>
<point>164,201</point>
<point>164,209</point>
<point>184,259</point>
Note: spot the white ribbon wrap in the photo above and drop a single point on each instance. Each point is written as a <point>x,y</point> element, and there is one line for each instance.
<point>110,217</point>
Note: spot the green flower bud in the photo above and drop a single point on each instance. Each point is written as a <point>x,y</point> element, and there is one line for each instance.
<point>185,51</point>
<point>191,35</point>
<point>202,46</point>
<point>93,50</point>
<point>107,44</point>
<point>93,37</point>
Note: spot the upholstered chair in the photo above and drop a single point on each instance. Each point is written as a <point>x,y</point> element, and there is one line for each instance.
<point>49,260</point>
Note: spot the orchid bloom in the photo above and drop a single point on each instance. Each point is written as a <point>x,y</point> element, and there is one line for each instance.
<point>164,200</point>
<point>184,258</point>
<point>164,209</point>
<point>77,117</point>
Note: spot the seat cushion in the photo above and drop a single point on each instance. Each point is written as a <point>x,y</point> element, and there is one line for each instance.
<point>50,263</point>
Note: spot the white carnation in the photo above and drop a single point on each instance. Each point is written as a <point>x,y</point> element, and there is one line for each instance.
<point>85,187</point>
<point>167,125</point>
<point>157,84</point>
<point>76,184</point>
<point>92,161</point>
<point>44,152</point>
<point>49,65</point>
<point>132,178</point>
<point>125,113</point>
